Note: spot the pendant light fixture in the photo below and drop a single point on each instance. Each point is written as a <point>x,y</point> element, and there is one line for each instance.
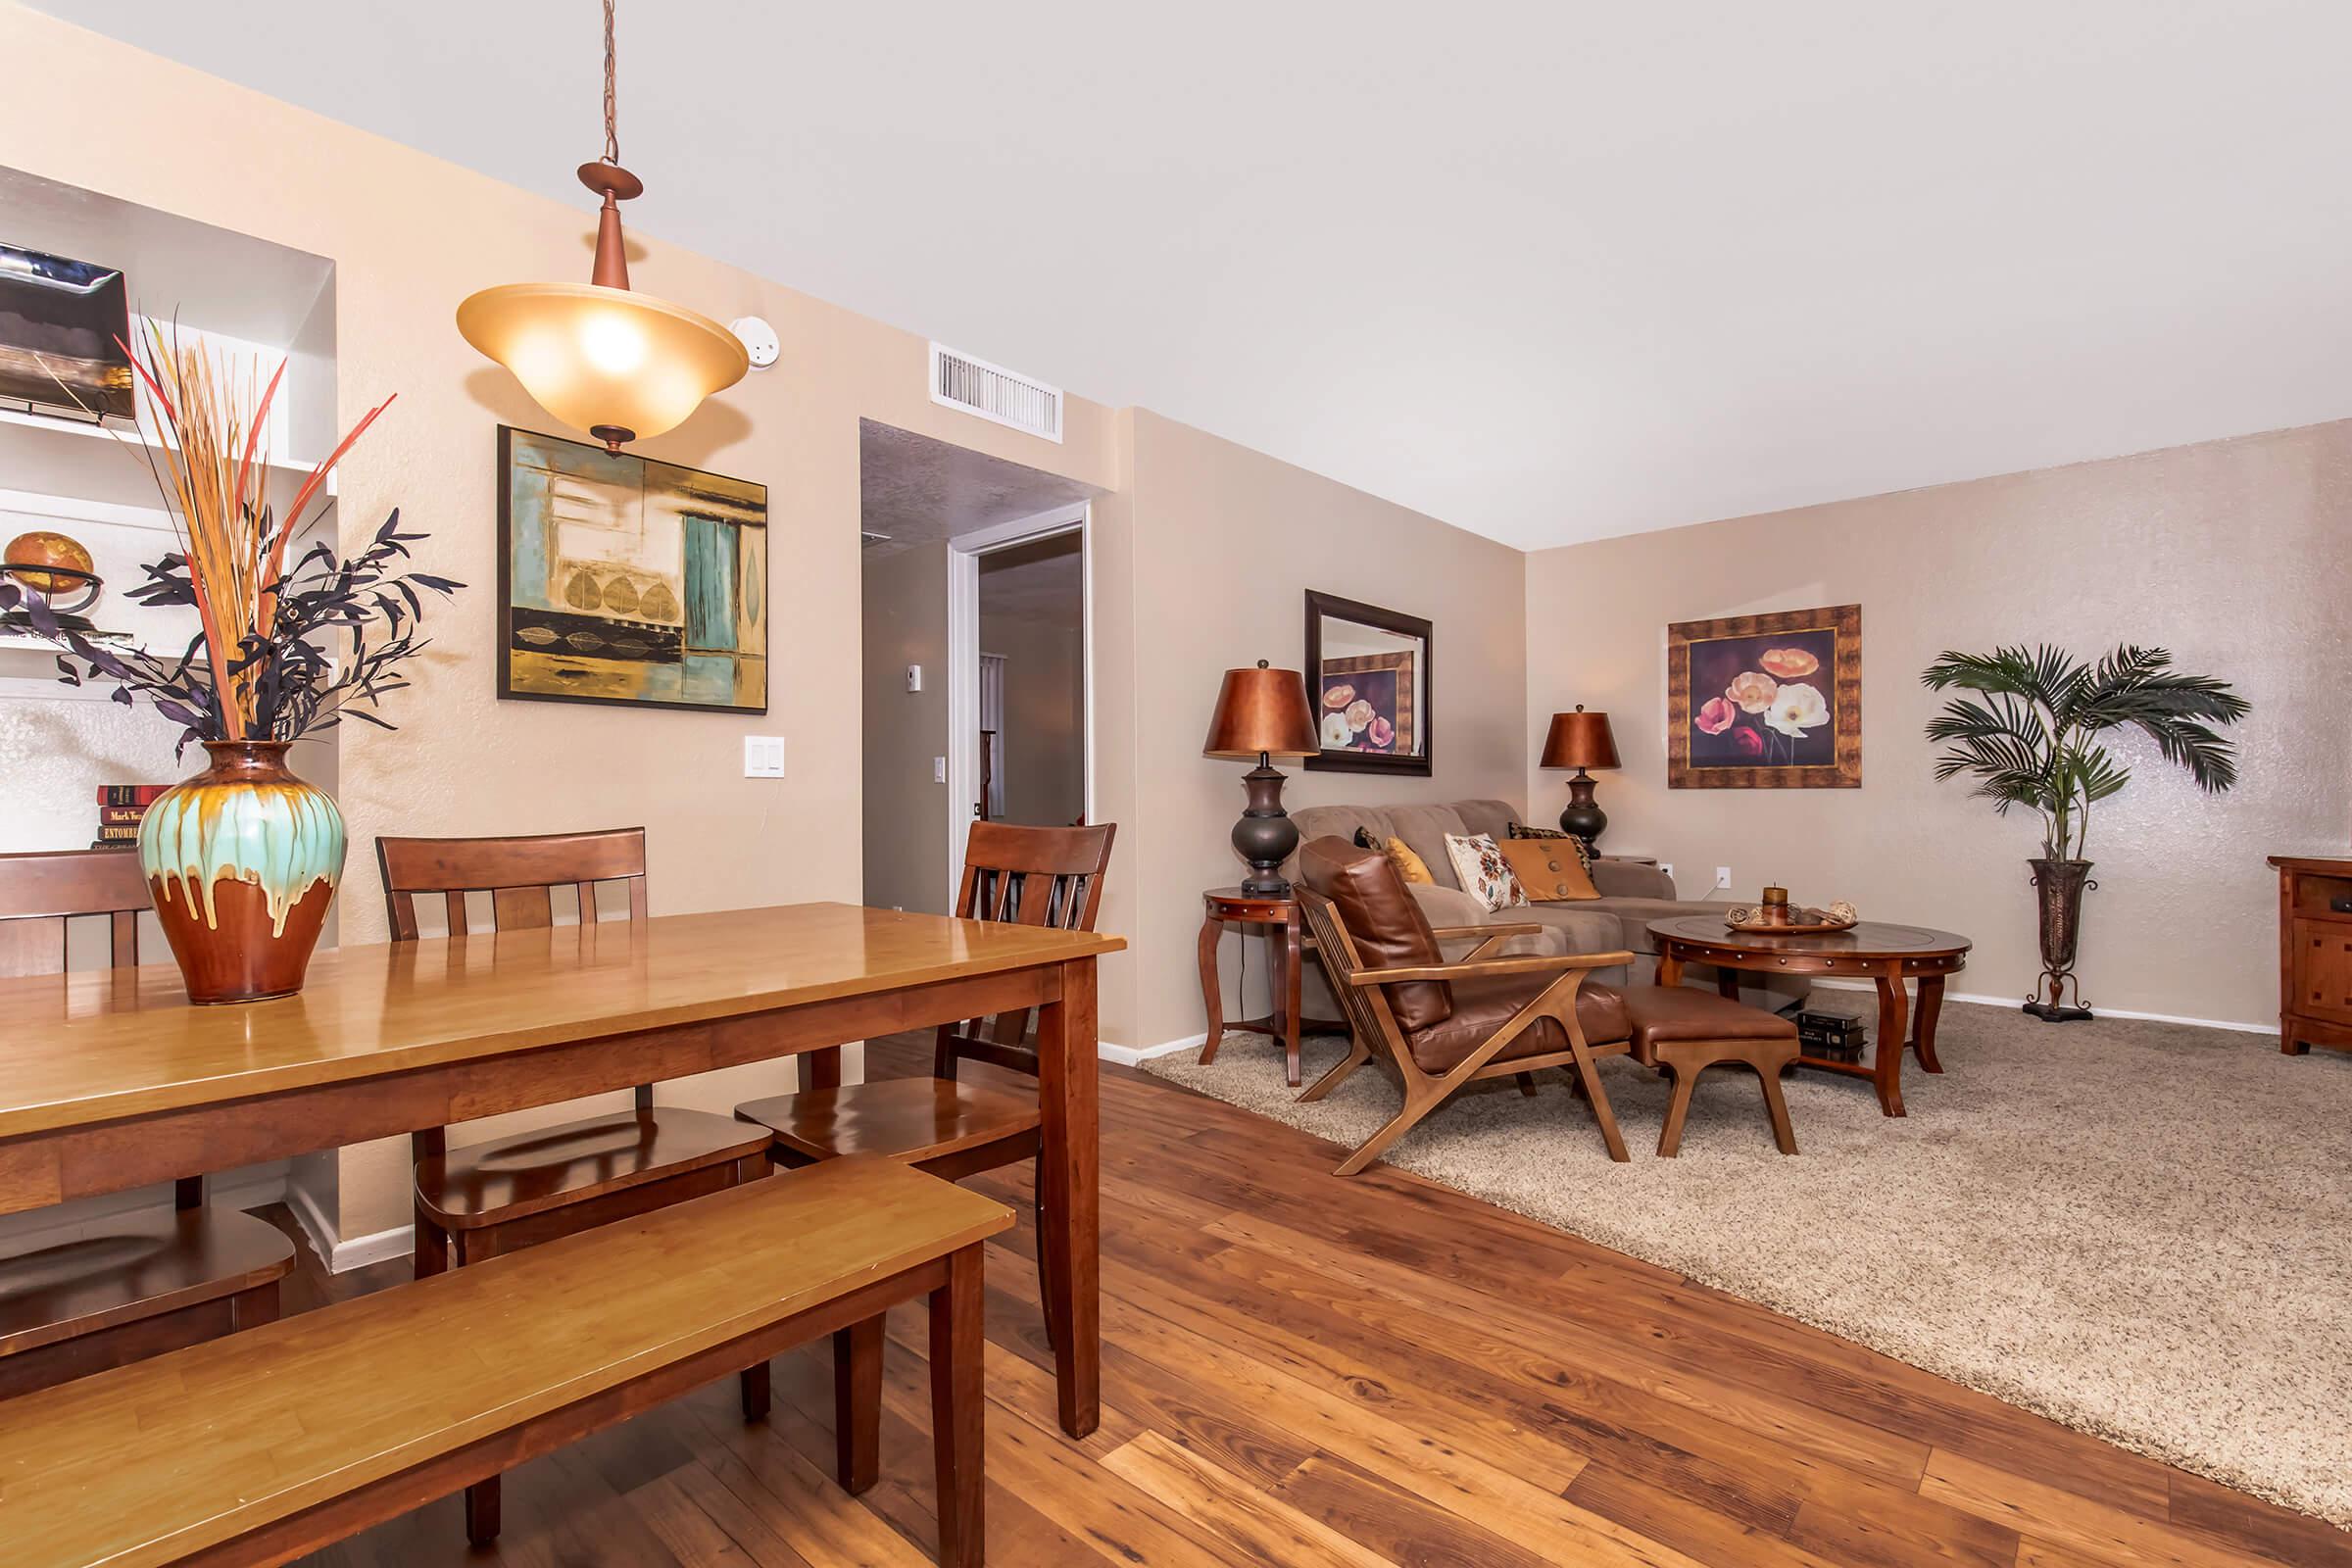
<point>617,364</point>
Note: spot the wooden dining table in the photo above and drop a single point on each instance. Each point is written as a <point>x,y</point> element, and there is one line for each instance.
<point>112,1079</point>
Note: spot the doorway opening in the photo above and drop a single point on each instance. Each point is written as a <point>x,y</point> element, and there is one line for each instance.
<point>977,656</point>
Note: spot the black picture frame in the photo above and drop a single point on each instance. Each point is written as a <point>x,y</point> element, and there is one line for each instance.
<point>1421,713</point>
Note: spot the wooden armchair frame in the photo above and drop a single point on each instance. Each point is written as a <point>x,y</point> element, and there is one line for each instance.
<point>1372,1024</point>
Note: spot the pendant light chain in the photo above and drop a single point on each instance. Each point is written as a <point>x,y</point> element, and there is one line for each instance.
<point>611,122</point>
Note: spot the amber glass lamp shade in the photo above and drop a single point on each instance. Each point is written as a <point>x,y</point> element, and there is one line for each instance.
<point>1262,713</point>
<point>619,364</point>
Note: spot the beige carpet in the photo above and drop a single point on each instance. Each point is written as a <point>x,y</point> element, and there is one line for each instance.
<point>2143,1231</point>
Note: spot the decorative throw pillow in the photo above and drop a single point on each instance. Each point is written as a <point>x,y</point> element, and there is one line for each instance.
<point>1584,847</point>
<point>1483,871</point>
<point>1548,870</point>
<point>1410,865</point>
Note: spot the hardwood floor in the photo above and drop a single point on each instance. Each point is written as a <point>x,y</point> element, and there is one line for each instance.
<point>1300,1370</point>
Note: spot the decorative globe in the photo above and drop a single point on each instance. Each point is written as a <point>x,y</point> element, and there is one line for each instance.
<point>28,552</point>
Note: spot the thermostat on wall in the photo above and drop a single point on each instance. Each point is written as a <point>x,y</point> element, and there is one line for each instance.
<point>759,340</point>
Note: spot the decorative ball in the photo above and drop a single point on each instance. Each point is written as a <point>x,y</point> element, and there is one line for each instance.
<point>1843,912</point>
<point>28,552</point>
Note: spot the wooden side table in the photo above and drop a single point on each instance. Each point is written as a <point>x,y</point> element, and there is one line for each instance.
<point>1287,943</point>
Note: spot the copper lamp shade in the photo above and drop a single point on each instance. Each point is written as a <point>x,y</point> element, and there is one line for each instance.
<point>619,364</point>
<point>1263,714</point>
<point>1581,739</point>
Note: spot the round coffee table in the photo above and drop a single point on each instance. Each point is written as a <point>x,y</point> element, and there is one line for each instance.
<point>1875,950</point>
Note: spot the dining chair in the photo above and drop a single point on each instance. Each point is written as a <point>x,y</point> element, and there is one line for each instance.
<point>483,1198</point>
<point>1044,876</point>
<point>132,1285</point>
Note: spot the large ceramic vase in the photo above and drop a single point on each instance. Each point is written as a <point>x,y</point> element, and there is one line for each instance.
<point>2058,889</point>
<point>242,861</point>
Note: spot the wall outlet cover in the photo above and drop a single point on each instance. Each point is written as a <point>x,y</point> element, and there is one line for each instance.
<point>914,677</point>
<point>1723,876</point>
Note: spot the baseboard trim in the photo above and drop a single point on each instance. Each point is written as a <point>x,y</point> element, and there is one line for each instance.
<point>361,1251</point>
<point>2013,1004</point>
<point>1135,1055</point>
<point>339,1255</point>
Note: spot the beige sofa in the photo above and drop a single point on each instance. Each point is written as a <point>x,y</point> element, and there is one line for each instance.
<point>1631,895</point>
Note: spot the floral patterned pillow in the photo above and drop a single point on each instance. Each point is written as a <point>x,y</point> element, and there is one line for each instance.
<point>1483,871</point>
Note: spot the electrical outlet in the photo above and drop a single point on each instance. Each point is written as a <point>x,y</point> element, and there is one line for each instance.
<point>914,677</point>
<point>764,757</point>
<point>1667,866</point>
<point>939,770</point>
<point>1723,876</point>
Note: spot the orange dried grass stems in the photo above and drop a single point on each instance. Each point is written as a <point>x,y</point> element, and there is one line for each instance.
<point>233,543</point>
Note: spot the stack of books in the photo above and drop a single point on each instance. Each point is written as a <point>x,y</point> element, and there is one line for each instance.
<point>120,808</point>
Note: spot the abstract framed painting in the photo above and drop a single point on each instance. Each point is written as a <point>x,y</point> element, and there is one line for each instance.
<point>627,581</point>
<point>1766,701</point>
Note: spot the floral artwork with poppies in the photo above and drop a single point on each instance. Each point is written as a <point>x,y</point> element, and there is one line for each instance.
<point>1359,710</point>
<point>1763,701</point>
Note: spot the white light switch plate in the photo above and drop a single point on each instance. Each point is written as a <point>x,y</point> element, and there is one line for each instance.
<point>939,770</point>
<point>914,677</point>
<point>764,757</point>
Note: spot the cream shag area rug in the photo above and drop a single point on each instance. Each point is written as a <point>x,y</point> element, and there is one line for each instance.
<point>2140,1230</point>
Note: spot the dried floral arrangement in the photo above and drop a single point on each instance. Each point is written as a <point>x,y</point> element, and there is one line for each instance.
<point>282,653</point>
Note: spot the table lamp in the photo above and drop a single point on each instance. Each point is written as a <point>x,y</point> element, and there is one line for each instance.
<point>1581,739</point>
<point>1263,714</point>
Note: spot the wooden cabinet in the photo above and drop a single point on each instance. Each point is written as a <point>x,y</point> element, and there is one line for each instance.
<point>2315,954</point>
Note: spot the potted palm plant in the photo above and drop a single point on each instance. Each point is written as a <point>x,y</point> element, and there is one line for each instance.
<point>2028,737</point>
<point>244,858</point>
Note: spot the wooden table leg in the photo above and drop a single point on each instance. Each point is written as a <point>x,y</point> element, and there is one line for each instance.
<point>857,1405</point>
<point>1727,982</point>
<point>1068,1100</point>
<point>1931,1003</point>
<point>1212,990</point>
<point>958,1412</point>
<point>821,1069</point>
<point>1294,962</point>
<point>1670,966</point>
<point>1886,1054</point>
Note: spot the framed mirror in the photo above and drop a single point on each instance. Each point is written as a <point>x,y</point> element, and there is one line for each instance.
<point>1368,673</point>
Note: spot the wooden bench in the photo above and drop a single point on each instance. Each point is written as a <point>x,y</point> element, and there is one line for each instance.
<point>260,1447</point>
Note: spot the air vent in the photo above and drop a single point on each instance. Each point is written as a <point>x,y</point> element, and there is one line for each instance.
<point>994,393</point>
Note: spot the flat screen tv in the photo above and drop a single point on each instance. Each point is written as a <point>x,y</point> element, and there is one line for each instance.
<point>63,325</point>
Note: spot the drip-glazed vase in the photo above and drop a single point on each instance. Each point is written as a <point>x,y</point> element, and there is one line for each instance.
<point>242,861</point>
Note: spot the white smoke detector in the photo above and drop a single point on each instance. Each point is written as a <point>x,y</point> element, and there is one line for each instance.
<point>759,340</point>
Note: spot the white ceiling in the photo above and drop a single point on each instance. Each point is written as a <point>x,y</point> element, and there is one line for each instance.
<point>1548,270</point>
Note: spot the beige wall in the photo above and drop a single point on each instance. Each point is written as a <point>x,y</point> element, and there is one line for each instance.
<point>410,236</point>
<point>1226,542</point>
<point>2235,555</point>
<point>906,623</point>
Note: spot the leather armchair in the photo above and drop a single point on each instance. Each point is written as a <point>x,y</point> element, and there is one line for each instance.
<point>1441,1024</point>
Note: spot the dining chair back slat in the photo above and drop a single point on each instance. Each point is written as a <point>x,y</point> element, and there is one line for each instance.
<point>1043,876</point>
